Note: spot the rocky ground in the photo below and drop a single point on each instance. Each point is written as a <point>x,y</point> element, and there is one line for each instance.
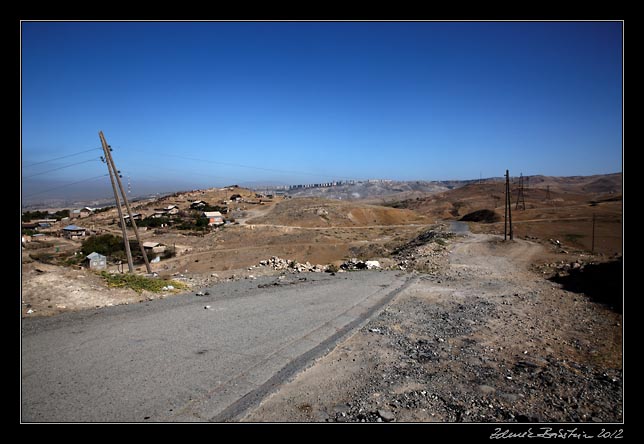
<point>481,336</point>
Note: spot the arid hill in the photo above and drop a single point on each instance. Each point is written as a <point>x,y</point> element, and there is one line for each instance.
<point>316,212</point>
<point>559,208</point>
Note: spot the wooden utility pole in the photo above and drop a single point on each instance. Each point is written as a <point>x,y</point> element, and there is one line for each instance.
<point>127,203</point>
<point>126,243</point>
<point>508,208</point>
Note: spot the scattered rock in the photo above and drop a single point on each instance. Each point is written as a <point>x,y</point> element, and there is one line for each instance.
<point>372,265</point>
<point>386,415</point>
<point>486,389</point>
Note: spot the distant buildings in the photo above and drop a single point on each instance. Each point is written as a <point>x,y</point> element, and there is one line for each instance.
<point>323,185</point>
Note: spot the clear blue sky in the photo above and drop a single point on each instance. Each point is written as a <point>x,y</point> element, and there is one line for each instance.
<point>208,104</point>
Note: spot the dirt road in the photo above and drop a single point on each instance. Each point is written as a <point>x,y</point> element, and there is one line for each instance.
<point>484,340</point>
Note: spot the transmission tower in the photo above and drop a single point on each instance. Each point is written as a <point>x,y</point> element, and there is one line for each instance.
<point>547,192</point>
<point>520,196</point>
<point>508,208</point>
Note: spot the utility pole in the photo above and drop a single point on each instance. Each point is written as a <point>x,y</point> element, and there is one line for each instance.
<point>130,265</point>
<point>520,196</point>
<point>127,204</point>
<point>508,208</point>
<point>547,192</point>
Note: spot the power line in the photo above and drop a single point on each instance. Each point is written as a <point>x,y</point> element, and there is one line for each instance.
<point>66,185</point>
<point>59,168</point>
<point>61,157</point>
<point>306,173</point>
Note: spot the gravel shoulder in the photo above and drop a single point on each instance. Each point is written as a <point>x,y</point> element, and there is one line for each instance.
<point>481,338</point>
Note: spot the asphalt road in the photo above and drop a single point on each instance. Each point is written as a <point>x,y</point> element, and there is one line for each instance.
<point>174,360</point>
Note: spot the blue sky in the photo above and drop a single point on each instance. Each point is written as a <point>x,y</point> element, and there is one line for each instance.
<point>198,104</point>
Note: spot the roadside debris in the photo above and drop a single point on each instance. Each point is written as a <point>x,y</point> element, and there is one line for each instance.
<point>277,263</point>
<point>355,264</point>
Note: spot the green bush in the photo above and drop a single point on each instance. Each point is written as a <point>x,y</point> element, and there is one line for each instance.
<point>31,215</point>
<point>153,222</point>
<point>28,216</point>
<point>139,283</point>
<point>105,244</point>
<point>60,214</point>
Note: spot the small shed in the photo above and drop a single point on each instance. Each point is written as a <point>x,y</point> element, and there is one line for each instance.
<point>73,232</point>
<point>171,209</point>
<point>214,217</point>
<point>96,261</point>
<point>154,247</point>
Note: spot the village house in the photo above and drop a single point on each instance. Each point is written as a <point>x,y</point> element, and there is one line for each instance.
<point>171,209</point>
<point>83,212</point>
<point>214,217</point>
<point>135,216</point>
<point>162,212</point>
<point>198,204</point>
<point>74,232</point>
<point>153,247</point>
<point>96,261</point>
<point>153,251</point>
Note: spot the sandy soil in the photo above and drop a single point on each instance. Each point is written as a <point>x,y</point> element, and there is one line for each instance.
<point>49,289</point>
<point>485,339</point>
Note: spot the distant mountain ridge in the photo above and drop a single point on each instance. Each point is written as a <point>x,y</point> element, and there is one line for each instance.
<point>378,189</point>
<point>374,189</point>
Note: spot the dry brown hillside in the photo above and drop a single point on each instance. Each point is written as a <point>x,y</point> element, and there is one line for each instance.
<point>316,212</point>
<point>556,208</point>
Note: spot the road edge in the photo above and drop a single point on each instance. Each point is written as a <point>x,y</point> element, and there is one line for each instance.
<point>243,405</point>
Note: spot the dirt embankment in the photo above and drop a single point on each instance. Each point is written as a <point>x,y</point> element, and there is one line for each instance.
<point>483,340</point>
